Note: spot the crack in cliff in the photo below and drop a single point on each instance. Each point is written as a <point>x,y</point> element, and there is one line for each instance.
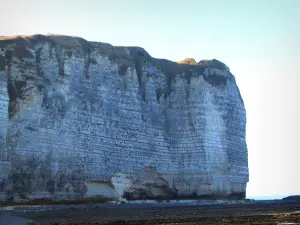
<point>13,105</point>
<point>87,64</point>
<point>60,59</point>
<point>139,61</point>
<point>39,70</point>
<point>2,63</point>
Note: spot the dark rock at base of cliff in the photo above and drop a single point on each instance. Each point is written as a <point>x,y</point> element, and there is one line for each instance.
<point>149,184</point>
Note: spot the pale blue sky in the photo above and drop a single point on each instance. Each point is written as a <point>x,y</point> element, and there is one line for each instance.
<point>259,40</point>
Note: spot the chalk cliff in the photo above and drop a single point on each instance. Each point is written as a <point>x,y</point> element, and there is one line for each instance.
<point>81,119</point>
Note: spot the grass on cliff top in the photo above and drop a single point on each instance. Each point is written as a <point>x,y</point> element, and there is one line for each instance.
<point>212,64</point>
<point>189,61</point>
<point>113,52</point>
<point>3,38</point>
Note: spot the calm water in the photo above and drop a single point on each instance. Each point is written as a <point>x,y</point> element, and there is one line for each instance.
<point>267,197</point>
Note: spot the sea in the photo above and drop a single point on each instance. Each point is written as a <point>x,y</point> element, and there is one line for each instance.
<point>271,197</point>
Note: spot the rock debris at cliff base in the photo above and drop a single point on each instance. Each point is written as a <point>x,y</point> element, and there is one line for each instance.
<point>85,119</point>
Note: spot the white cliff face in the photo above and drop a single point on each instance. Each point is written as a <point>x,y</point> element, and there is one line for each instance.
<point>77,114</point>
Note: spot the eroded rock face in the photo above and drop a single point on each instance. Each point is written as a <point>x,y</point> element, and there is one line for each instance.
<point>147,183</point>
<point>75,115</point>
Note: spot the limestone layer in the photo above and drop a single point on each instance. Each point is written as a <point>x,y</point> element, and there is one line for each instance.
<point>84,119</point>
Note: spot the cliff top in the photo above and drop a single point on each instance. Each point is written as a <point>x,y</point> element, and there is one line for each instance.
<point>18,46</point>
